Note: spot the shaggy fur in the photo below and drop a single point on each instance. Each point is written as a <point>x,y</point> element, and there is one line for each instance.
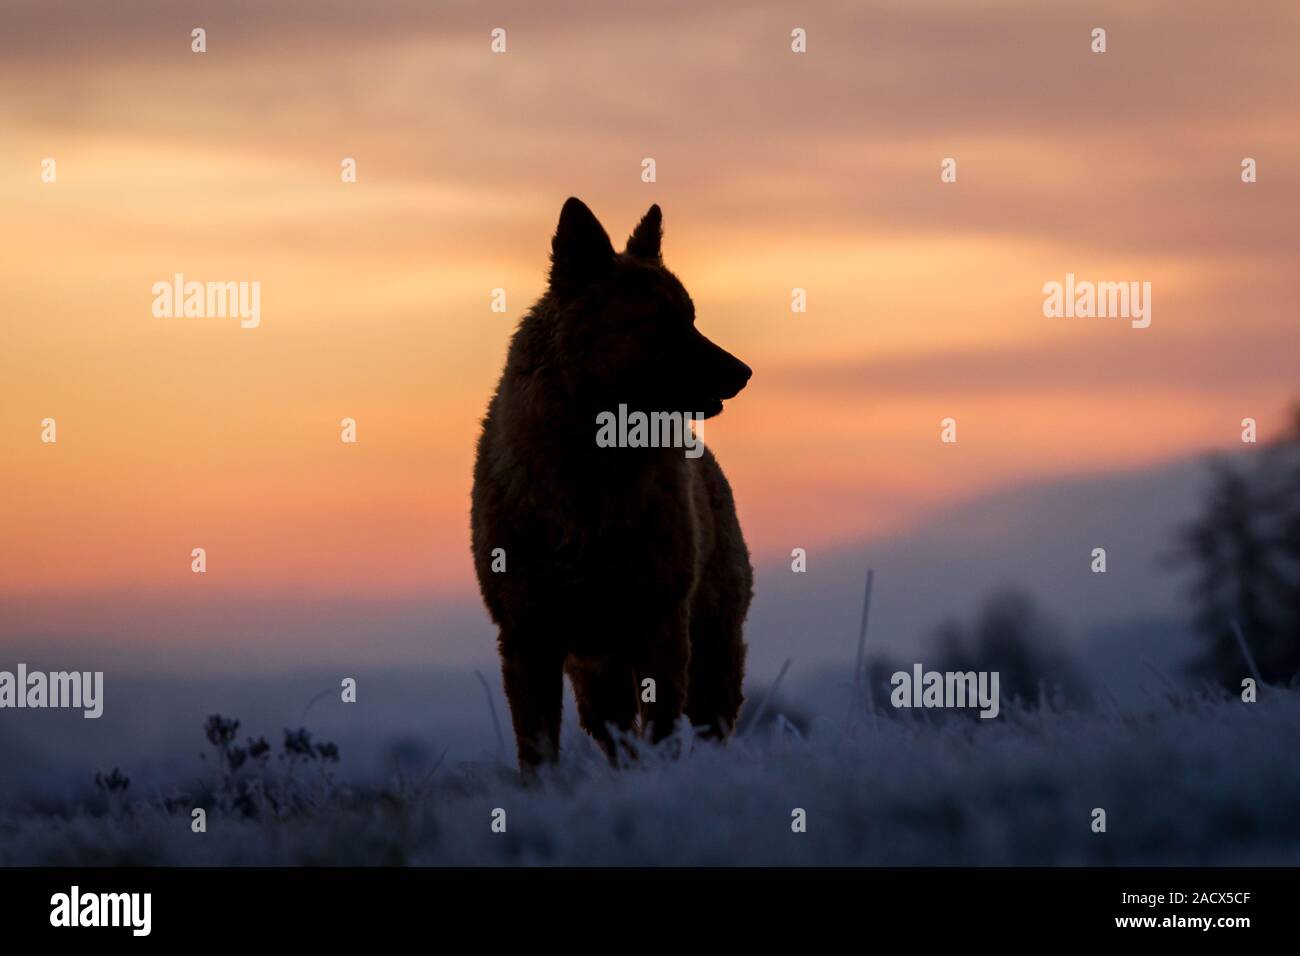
<point>621,563</point>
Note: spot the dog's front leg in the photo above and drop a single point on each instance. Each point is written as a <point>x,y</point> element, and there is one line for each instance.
<point>534,684</point>
<point>663,656</point>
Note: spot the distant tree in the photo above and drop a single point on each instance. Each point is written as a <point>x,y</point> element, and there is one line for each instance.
<point>1011,635</point>
<point>1245,548</point>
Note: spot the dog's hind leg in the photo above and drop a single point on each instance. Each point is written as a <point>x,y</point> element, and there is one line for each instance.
<point>606,693</point>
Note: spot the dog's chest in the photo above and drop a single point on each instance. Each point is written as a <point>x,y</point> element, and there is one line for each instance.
<point>653,532</point>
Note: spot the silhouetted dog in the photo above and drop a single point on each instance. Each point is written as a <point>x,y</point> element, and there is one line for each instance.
<point>621,566</point>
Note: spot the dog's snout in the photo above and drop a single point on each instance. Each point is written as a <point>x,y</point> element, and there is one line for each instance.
<point>735,375</point>
<point>725,373</point>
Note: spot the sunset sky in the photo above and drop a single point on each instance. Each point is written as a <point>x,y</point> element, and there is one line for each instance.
<point>775,170</point>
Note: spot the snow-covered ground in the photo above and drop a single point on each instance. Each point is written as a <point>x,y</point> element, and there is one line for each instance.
<point>1182,780</point>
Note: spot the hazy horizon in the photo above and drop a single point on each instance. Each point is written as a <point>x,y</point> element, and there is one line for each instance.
<point>819,171</point>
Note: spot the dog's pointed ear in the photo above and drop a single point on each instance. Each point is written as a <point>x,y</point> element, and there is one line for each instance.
<point>646,238</point>
<point>581,250</point>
